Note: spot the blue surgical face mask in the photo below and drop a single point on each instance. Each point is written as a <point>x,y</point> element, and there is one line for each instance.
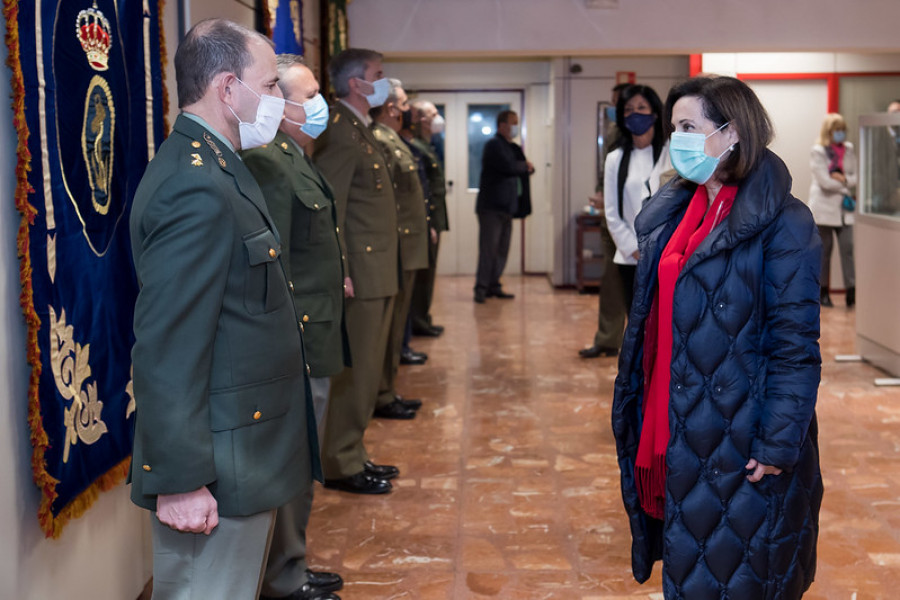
<point>316,116</point>
<point>689,157</point>
<point>639,123</point>
<point>380,90</point>
<point>839,137</point>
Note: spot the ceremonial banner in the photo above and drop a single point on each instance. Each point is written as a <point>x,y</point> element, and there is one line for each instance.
<point>88,103</point>
<point>286,25</point>
<point>337,26</point>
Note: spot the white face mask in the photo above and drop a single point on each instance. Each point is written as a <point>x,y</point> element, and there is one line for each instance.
<point>269,112</point>
<point>437,125</point>
<point>380,90</point>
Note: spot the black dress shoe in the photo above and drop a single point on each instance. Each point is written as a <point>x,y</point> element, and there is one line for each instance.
<point>428,331</point>
<point>361,483</point>
<point>380,471</point>
<point>596,351</point>
<point>479,298</point>
<point>410,357</point>
<point>500,294</point>
<point>410,403</point>
<point>394,410</point>
<point>307,592</point>
<point>325,581</point>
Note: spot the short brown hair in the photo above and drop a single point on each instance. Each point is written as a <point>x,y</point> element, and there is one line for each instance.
<point>730,100</point>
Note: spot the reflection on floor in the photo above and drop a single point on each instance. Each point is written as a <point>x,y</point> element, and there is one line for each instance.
<point>509,485</point>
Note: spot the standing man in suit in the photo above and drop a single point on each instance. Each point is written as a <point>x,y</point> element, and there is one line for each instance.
<point>225,432</point>
<point>423,119</point>
<point>497,202</point>
<point>412,228</point>
<point>349,157</point>
<point>302,206</point>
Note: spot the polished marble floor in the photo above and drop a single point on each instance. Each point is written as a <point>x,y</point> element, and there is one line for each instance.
<point>509,485</point>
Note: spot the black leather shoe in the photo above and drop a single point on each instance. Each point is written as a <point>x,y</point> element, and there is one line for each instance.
<point>411,357</point>
<point>327,582</point>
<point>361,483</point>
<point>597,351</point>
<point>428,331</point>
<point>479,298</point>
<point>394,410</point>
<point>307,592</point>
<point>501,294</point>
<point>410,403</point>
<point>380,471</point>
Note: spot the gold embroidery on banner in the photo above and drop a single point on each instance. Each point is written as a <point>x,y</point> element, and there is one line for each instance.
<point>129,389</point>
<point>51,257</point>
<point>97,136</point>
<point>69,361</point>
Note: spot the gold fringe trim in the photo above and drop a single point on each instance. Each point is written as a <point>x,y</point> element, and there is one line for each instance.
<point>163,61</point>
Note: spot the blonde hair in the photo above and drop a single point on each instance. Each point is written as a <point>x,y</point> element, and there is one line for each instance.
<point>832,122</point>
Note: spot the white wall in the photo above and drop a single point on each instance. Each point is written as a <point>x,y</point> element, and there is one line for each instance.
<point>567,28</point>
<point>101,555</point>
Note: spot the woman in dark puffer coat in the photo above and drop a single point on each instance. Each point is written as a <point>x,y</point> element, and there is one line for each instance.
<point>714,409</point>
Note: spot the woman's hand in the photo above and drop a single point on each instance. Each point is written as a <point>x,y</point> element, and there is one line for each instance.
<point>838,176</point>
<point>759,470</point>
<point>636,255</point>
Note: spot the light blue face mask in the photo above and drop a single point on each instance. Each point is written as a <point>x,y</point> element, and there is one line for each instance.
<point>381,88</point>
<point>689,157</point>
<point>839,137</point>
<point>316,116</point>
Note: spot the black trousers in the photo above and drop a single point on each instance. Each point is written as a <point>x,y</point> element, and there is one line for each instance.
<point>494,234</point>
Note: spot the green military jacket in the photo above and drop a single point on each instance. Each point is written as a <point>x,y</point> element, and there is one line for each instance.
<point>437,204</point>
<point>302,206</point>
<point>349,157</point>
<point>412,221</point>
<point>220,381</point>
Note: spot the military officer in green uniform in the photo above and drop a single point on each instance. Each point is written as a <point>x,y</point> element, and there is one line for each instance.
<point>302,206</point>
<point>412,228</point>
<point>225,432</point>
<point>349,157</point>
<point>424,117</point>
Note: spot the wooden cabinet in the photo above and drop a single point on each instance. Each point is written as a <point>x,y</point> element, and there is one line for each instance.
<point>588,250</point>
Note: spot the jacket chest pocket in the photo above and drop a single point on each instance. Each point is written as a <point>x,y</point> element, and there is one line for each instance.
<point>317,221</point>
<point>264,287</point>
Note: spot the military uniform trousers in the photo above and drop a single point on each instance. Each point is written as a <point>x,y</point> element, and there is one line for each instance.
<point>611,320</point>
<point>403,299</point>
<point>423,289</point>
<point>227,563</point>
<point>355,389</point>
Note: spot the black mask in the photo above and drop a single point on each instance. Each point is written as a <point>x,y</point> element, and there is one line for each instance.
<point>407,119</point>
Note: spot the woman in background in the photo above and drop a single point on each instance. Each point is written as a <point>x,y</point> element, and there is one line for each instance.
<point>833,166</point>
<point>714,407</point>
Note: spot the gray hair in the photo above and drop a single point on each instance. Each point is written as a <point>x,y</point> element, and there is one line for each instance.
<point>396,84</point>
<point>419,105</point>
<point>285,62</point>
<point>348,64</point>
<point>212,46</point>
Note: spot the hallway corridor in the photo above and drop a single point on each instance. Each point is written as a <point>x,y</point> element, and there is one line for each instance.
<point>509,486</point>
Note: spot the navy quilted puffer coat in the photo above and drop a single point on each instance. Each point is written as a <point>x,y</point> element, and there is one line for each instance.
<point>745,372</point>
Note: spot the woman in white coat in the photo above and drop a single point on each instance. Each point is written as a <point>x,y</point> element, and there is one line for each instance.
<point>834,175</point>
<point>632,174</point>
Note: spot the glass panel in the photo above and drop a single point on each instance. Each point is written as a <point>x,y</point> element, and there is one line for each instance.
<point>880,169</point>
<point>481,124</point>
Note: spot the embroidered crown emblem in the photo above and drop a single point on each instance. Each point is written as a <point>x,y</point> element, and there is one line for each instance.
<point>93,31</point>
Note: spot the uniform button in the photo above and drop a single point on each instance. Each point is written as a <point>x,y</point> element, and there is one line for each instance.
<point>147,468</point>
<point>368,248</point>
<point>316,206</point>
<point>343,257</point>
<point>301,328</point>
<point>337,229</point>
<point>195,144</point>
<point>718,389</point>
<point>678,386</point>
<point>306,318</point>
<point>378,187</point>
<point>721,305</point>
<point>291,285</point>
<point>307,369</point>
<point>412,168</point>
<point>406,231</point>
<point>257,415</point>
<point>272,252</point>
<point>395,186</point>
<point>376,166</point>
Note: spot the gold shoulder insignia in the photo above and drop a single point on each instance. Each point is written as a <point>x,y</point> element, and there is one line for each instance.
<point>337,117</point>
<point>284,146</point>
<point>215,148</point>
<point>195,144</point>
<point>398,153</point>
<point>198,161</point>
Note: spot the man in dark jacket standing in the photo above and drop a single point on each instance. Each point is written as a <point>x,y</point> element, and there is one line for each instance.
<point>497,203</point>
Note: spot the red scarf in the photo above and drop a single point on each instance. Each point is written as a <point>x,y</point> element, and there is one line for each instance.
<point>650,466</point>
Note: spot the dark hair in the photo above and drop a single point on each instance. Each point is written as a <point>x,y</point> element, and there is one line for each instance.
<point>626,142</point>
<point>620,86</point>
<point>212,46</point>
<point>730,100</point>
<point>503,116</point>
<point>348,64</point>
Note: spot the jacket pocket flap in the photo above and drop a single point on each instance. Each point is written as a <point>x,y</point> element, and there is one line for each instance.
<point>238,407</point>
<point>262,247</point>
<point>315,308</point>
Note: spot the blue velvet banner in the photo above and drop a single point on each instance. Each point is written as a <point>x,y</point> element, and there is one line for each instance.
<point>287,26</point>
<point>89,108</point>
